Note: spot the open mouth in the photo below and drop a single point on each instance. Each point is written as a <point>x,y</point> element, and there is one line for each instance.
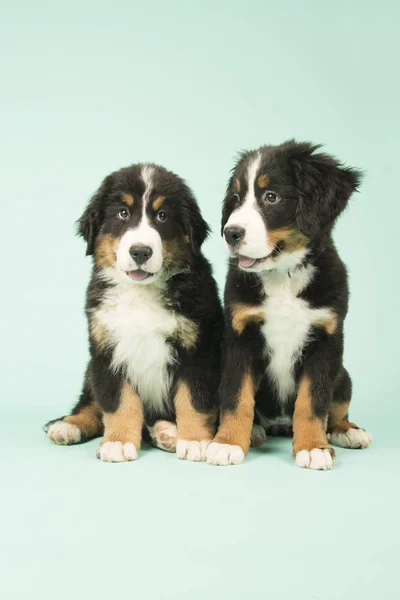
<point>245,262</point>
<point>139,275</point>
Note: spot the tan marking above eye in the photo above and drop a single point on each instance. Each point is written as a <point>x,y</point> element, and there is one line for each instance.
<point>158,202</point>
<point>236,185</point>
<point>263,181</point>
<point>127,198</point>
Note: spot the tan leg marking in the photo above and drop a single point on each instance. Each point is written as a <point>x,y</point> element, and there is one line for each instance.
<point>195,429</point>
<point>232,441</point>
<point>342,432</point>
<point>243,314</point>
<point>192,424</point>
<point>309,432</point>
<point>125,424</point>
<point>88,420</point>
<point>337,419</point>
<point>310,444</point>
<point>236,426</point>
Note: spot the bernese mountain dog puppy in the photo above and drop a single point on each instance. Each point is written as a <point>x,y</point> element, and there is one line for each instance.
<point>154,317</point>
<point>286,299</point>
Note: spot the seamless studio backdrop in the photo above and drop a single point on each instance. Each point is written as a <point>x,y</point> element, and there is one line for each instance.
<point>88,87</point>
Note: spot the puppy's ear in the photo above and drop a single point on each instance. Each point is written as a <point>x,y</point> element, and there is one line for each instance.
<point>88,225</point>
<point>324,187</point>
<point>196,229</point>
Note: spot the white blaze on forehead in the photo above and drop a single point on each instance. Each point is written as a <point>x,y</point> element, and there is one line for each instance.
<point>143,234</point>
<point>147,174</point>
<point>251,178</point>
<point>254,244</point>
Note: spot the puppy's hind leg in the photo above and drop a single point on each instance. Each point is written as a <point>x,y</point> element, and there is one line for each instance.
<point>258,435</point>
<point>163,434</point>
<point>84,422</point>
<point>341,431</point>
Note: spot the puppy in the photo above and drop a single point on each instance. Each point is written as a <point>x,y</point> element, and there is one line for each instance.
<point>154,318</point>
<point>286,299</point>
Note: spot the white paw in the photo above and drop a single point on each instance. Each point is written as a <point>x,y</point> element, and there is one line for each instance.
<point>352,438</point>
<point>224,454</point>
<point>320,460</point>
<point>195,451</point>
<point>116,452</point>
<point>258,435</point>
<point>64,433</point>
<point>163,434</point>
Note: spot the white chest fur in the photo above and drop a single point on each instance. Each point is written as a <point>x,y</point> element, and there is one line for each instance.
<point>287,326</point>
<point>138,326</point>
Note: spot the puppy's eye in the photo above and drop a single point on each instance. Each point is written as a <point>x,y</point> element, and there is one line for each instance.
<point>236,199</point>
<point>162,216</point>
<point>123,214</point>
<point>271,197</point>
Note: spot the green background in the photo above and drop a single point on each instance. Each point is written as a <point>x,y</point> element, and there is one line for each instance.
<point>88,87</point>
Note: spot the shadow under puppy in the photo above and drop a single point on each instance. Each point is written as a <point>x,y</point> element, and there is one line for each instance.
<point>286,299</point>
<point>155,321</point>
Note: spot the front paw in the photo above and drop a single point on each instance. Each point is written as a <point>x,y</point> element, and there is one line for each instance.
<point>192,450</point>
<point>63,433</point>
<point>224,454</point>
<point>319,459</point>
<point>116,452</point>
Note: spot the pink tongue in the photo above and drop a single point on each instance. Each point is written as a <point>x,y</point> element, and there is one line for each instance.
<point>246,262</point>
<point>138,275</point>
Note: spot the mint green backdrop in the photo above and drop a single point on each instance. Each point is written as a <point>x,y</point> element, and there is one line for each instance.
<point>88,87</point>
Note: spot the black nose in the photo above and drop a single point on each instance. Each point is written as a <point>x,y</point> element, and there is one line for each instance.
<point>140,253</point>
<point>234,235</point>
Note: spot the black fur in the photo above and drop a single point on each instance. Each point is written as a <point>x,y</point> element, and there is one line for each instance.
<point>314,189</point>
<point>188,289</point>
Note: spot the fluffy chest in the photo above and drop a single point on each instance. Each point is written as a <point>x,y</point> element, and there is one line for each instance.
<point>287,327</point>
<point>138,328</point>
